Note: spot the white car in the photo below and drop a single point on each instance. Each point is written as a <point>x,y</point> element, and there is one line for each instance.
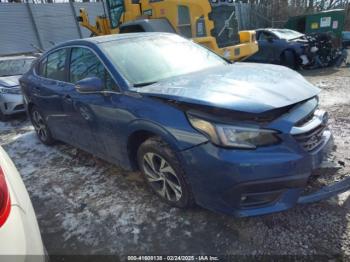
<point>11,69</point>
<point>19,231</point>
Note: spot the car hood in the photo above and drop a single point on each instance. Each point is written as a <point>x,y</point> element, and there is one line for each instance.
<point>246,87</point>
<point>9,81</point>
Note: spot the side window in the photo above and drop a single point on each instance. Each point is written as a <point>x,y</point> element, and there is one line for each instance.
<point>41,68</point>
<point>184,21</point>
<point>55,65</point>
<point>84,63</point>
<point>267,36</point>
<point>263,36</point>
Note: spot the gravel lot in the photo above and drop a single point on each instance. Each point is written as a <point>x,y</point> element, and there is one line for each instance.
<point>87,206</point>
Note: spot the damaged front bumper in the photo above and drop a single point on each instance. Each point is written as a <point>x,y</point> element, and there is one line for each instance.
<point>326,192</point>
<point>266,180</point>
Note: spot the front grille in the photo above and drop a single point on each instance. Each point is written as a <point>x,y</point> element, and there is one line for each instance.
<point>311,139</point>
<point>225,30</point>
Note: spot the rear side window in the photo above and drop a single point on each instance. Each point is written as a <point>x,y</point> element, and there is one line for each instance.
<point>84,63</point>
<point>41,68</point>
<point>55,65</point>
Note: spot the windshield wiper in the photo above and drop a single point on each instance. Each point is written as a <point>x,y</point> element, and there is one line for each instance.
<point>144,84</point>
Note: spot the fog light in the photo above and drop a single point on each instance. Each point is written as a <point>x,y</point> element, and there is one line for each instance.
<point>260,199</point>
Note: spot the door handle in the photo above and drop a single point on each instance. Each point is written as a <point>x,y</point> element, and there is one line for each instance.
<point>67,98</point>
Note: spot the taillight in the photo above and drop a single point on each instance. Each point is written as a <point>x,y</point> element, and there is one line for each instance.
<point>5,203</point>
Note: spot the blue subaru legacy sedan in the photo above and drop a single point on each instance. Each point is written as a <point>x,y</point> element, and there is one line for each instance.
<point>238,138</point>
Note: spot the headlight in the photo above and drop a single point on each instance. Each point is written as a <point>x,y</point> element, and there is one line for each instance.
<point>12,90</point>
<point>234,136</point>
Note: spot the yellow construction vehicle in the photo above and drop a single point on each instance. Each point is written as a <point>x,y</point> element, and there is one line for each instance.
<point>211,23</point>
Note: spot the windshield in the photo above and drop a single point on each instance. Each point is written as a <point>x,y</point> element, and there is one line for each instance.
<point>150,59</point>
<point>15,67</point>
<point>287,34</point>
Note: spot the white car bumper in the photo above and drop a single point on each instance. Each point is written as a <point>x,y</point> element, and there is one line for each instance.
<point>11,104</point>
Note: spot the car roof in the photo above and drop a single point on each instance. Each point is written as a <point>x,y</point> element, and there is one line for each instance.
<point>114,37</point>
<point>274,29</point>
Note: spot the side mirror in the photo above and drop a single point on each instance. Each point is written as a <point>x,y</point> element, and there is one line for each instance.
<point>89,85</point>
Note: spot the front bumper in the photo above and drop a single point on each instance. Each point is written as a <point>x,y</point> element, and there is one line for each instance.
<point>11,104</point>
<point>262,181</point>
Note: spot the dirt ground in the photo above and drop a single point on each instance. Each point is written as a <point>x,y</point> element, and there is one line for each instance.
<point>87,206</point>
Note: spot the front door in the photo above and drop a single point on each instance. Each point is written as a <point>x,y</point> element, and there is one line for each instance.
<point>91,116</point>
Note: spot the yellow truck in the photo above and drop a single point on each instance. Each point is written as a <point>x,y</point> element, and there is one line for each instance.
<point>211,23</point>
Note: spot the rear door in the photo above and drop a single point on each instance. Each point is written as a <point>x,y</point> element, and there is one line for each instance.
<point>49,90</point>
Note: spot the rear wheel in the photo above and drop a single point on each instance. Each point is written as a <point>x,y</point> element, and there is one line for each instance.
<point>289,60</point>
<point>163,173</point>
<point>41,127</point>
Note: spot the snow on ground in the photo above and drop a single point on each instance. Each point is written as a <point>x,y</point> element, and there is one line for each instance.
<point>85,205</point>
<point>90,206</point>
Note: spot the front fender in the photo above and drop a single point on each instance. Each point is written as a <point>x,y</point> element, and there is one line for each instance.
<point>178,139</point>
<point>296,48</point>
<point>152,127</point>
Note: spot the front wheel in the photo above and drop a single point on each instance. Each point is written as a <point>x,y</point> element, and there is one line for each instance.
<point>162,171</point>
<point>41,128</point>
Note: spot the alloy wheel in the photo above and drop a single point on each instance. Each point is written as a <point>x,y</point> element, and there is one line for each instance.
<point>39,125</point>
<point>162,177</point>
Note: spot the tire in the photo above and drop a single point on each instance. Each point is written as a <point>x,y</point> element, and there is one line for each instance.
<point>289,60</point>
<point>168,182</point>
<point>42,130</point>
